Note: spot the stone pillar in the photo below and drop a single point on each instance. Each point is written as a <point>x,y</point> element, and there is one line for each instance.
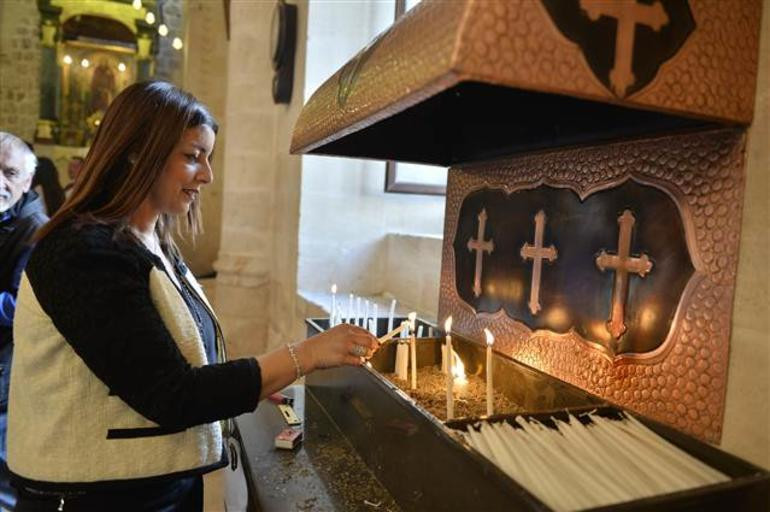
<point>256,266</point>
<point>48,121</point>
<point>243,263</point>
<point>205,76</point>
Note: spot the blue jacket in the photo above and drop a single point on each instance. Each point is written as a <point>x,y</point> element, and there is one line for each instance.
<point>17,226</point>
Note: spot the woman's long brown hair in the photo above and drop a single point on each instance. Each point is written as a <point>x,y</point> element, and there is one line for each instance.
<point>139,130</point>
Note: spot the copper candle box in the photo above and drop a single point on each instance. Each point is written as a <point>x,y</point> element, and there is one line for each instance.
<point>597,158</point>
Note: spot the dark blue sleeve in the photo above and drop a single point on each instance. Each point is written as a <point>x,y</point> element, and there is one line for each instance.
<point>7,308</point>
<point>8,297</point>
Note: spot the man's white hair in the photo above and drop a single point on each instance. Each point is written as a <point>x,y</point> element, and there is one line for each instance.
<point>11,142</point>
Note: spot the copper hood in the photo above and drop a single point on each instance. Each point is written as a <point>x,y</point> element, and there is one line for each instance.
<point>466,80</point>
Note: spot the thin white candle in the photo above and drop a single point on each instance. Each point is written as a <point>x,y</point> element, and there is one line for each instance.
<point>450,399</point>
<point>419,331</point>
<point>333,312</point>
<point>391,314</point>
<point>358,312</point>
<point>413,346</point>
<point>375,316</point>
<point>350,308</point>
<point>366,314</point>
<point>402,355</point>
<point>391,334</point>
<point>490,385</point>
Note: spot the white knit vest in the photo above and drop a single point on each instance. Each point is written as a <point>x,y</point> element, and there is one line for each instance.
<point>59,412</point>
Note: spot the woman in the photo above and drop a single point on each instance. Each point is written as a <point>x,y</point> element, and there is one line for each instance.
<point>115,392</point>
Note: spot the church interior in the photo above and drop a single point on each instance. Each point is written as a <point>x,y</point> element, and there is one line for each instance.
<point>323,200</point>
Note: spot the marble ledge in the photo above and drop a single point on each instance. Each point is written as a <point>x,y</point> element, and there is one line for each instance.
<point>318,304</point>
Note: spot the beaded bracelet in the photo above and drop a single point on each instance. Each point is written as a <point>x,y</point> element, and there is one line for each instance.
<point>294,358</point>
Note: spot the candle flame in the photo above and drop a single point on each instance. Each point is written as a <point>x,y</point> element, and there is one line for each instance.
<point>334,288</point>
<point>412,319</point>
<point>448,324</point>
<point>458,369</point>
<point>489,336</point>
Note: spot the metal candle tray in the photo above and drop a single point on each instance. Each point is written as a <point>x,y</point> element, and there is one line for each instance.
<point>426,466</point>
<point>409,450</point>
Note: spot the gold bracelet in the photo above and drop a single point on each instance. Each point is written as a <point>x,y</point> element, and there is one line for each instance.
<point>294,358</point>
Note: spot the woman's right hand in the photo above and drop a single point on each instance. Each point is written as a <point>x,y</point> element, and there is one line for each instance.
<point>340,345</point>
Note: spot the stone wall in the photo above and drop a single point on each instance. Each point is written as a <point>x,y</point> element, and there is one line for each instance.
<point>346,217</point>
<point>19,67</point>
<point>257,259</point>
<point>205,75</point>
<point>746,431</point>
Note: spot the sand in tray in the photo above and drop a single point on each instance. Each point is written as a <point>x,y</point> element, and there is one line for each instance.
<point>470,398</point>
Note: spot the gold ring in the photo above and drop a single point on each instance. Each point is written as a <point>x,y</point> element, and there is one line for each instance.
<point>358,350</point>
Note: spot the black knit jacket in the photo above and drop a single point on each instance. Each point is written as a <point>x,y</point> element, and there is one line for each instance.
<point>94,285</point>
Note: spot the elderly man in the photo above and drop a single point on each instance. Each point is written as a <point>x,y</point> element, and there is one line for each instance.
<point>21,214</point>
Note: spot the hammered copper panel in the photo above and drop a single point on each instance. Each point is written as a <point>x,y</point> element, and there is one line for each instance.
<point>683,382</point>
<point>715,72</point>
<point>409,63</point>
<point>515,43</point>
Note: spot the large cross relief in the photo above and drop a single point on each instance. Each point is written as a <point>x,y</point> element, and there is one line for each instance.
<point>611,267</point>
<point>624,42</point>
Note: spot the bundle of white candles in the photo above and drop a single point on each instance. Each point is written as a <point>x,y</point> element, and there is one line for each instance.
<point>577,466</point>
<point>366,318</point>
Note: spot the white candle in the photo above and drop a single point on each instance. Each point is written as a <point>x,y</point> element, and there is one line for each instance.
<point>366,314</point>
<point>391,314</point>
<point>358,312</point>
<point>419,331</point>
<point>443,358</point>
<point>430,332</point>
<point>388,336</point>
<point>402,355</point>
<point>450,399</point>
<point>333,312</point>
<point>350,308</point>
<point>375,316</point>
<point>490,387</point>
<point>413,347</point>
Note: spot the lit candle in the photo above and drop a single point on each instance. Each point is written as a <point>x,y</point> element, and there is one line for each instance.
<point>450,399</point>
<point>350,308</point>
<point>333,312</point>
<point>413,347</point>
<point>391,314</point>
<point>490,389</point>
<point>402,356</point>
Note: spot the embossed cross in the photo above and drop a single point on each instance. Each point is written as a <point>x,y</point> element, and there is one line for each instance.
<point>629,13</point>
<point>537,253</point>
<point>622,264</point>
<point>480,245</point>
